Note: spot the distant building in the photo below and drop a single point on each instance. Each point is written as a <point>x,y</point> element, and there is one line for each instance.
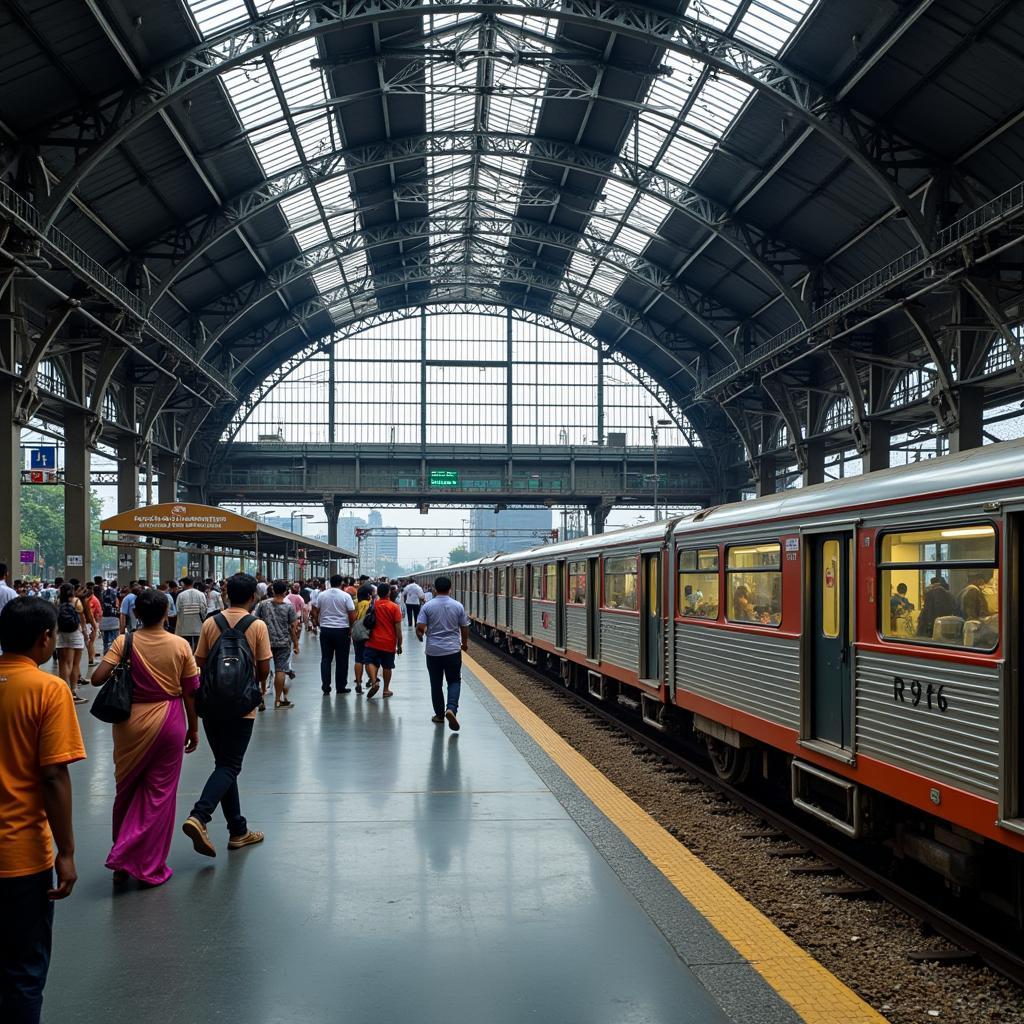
<point>380,548</point>
<point>347,526</point>
<point>484,520</point>
<point>286,523</point>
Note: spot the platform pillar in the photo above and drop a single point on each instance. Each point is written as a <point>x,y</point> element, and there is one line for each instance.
<point>10,474</point>
<point>765,475</point>
<point>332,511</point>
<point>77,492</point>
<point>877,451</point>
<point>814,466</point>
<point>167,491</point>
<point>969,430</point>
<point>127,499</point>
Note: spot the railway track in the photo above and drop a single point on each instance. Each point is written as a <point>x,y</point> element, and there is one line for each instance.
<point>1005,956</point>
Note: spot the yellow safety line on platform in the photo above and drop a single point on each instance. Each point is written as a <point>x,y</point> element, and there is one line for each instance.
<point>816,994</point>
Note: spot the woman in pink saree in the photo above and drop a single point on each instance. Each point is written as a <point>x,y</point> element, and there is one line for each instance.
<point>148,747</point>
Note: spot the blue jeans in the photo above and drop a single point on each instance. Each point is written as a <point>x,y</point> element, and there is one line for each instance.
<point>26,929</point>
<point>445,668</point>
<point>109,636</point>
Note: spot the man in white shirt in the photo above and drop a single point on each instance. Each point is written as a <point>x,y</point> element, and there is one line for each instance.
<point>7,592</point>
<point>192,607</point>
<point>261,586</point>
<point>413,596</point>
<point>332,612</point>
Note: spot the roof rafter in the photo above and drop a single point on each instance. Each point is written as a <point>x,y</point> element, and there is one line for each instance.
<point>806,100</point>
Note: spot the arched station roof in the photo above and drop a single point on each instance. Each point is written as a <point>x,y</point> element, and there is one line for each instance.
<point>682,181</point>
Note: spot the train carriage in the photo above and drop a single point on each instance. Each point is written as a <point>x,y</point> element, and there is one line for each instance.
<point>858,639</point>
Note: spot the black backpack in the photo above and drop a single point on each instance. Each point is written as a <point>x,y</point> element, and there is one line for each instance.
<point>109,602</point>
<point>67,618</point>
<point>228,686</point>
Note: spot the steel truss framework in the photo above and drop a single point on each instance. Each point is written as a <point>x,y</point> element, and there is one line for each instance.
<point>854,136</point>
<point>716,354</point>
<point>475,300</point>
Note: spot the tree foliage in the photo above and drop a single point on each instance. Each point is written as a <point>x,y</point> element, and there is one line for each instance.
<point>42,530</point>
<point>461,554</point>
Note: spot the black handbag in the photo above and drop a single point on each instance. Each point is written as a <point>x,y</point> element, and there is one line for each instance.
<point>114,701</point>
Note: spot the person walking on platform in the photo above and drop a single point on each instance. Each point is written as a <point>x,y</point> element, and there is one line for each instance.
<point>150,744</point>
<point>385,640</point>
<point>445,624</point>
<point>283,625</point>
<point>191,612</point>
<point>364,600</point>
<point>41,738</point>
<point>332,614</point>
<point>413,596</point>
<point>231,665</point>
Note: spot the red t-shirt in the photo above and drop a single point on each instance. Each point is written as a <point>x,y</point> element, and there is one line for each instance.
<point>384,635</point>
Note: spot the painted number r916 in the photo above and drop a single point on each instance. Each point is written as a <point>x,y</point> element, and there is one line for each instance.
<point>930,692</point>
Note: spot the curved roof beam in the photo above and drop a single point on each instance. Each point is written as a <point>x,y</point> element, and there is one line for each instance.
<point>639,269</point>
<point>742,238</point>
<point>294,360</point>
<point>424,269</point>
<point>805,99</point>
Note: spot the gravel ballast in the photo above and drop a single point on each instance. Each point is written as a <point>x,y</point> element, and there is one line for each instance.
<point>865,943</point>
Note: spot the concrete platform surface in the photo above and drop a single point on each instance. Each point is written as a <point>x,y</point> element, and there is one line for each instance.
<point>409,874</point>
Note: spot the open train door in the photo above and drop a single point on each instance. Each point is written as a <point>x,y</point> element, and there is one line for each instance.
<point>828,717</point>
<point>593,609</point>
<point>650,618</point>
<point>560,606</point>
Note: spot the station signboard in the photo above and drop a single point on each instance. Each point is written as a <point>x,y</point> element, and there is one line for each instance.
<point>444,478</point>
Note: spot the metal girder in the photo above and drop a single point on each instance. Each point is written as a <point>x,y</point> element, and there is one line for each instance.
<point>123,113</point>
<point>989,303</point>
<point>947,410</point>
<point>688,300</point>
<point>421,268</point>
<point>744,239</point>
<point>463,304</point>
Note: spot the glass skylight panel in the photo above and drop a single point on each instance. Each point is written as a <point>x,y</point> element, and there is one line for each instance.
<point>770,24</point>
<point>713,13</point>
<point>718,104</point>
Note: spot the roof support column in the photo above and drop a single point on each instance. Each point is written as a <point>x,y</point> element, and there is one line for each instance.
<point>10,436</point>
<point>77,492</point>
<point>814,465</point>
<point>127,499</point>
<point>508,377</point>
<point>599,517</point>
<point>968,432</point>
<point>876,451</point>
<point>423,379</point>
<point>766,470</point>
<point>167,491</point>
<point>332,510</point>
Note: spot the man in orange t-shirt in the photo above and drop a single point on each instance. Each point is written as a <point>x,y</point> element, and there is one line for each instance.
<point>40,739</point>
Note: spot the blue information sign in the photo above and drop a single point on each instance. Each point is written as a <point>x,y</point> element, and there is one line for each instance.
<point>43,458</point>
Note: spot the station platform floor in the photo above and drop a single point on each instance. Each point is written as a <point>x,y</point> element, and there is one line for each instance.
<point>418,875</point>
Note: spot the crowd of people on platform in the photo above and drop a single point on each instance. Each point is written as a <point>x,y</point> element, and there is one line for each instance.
<point>189,650</point>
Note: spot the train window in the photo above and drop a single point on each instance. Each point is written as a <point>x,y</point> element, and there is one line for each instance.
<point>942,586</point>
<point>753,584</point>
<point>577,590</point>
<point>620,583</point>
<point>499,588</point>
<point>536,581</point>
<point>698,583</point>
<point>517,582</point>
<point>551,581</point>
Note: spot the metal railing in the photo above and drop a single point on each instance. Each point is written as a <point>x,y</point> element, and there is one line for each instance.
<point>967,228</point>
<point>19,209</point>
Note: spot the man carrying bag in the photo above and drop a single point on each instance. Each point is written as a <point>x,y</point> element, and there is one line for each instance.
<point>233,655</point>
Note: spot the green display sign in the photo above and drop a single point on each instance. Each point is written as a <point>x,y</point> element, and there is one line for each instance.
<point>444,478</point>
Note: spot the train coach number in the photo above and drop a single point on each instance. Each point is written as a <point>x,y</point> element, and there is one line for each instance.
<point>913,690</point>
